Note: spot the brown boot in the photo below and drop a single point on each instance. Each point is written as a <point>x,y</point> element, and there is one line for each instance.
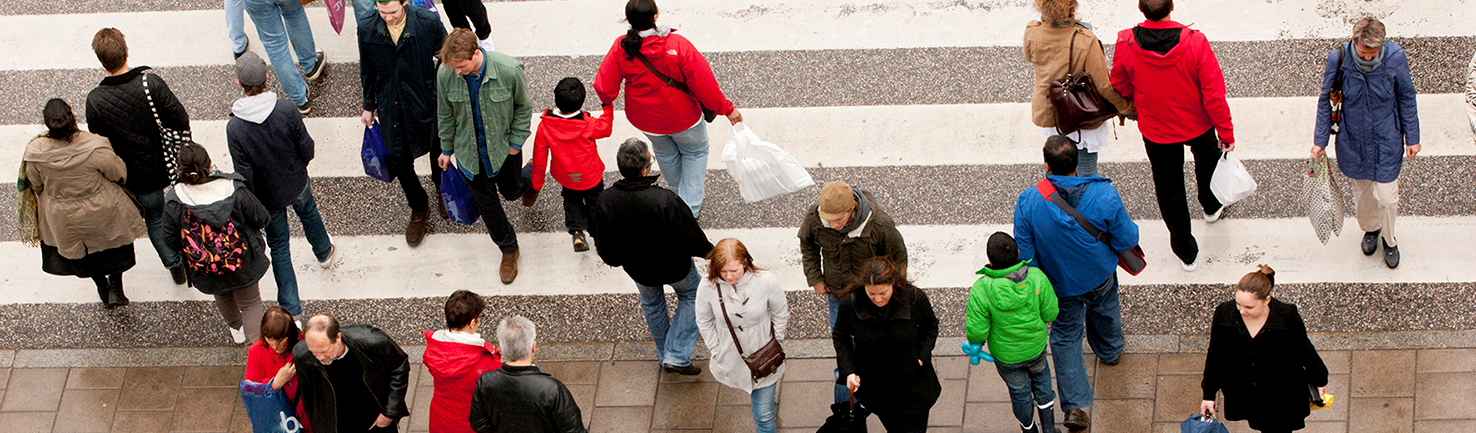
<point>415,232</point>
<point>509,268</point>
<point>529,197</point>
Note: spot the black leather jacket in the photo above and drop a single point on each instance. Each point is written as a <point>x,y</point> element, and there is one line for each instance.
<point>522,399</point>
<point>386,373</point>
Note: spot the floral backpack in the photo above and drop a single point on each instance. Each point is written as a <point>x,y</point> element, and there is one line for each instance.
<point>209,250</point>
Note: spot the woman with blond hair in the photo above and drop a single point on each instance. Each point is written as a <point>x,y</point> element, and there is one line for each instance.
<point>1058,45</point>
<point>749,300</point>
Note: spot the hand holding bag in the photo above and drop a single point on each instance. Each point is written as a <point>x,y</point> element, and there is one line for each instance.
<point>1130,260</point>
<point>1231,182</point>
<point>707,115</point>
<point>1076,99</point>
<point>1197,424</point>
<point>269,409</point>
<point>761,169</point>
<point>457,194</point>
<point>375,156</point>
<point>764,361</point>
<point>1323,198</point>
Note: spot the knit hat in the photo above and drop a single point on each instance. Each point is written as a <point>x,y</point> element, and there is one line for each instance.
<point>836,200</point>
<point>251,70</point>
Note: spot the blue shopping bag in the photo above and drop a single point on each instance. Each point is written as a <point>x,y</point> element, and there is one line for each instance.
<point>428,4</point>
<point>269,409</point>
<point>376,157</point>
<point>454,191</point>
<point>1197,424</point>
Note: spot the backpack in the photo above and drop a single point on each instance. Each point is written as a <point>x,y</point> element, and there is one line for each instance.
<point>209,250</point>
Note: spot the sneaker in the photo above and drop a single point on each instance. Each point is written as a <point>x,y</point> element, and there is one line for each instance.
<point>238,335</point>
<point>687,370</point>
<point>318,67</point>
<point>332,257</point>
<point>1370,242</point>
<point>298,323</point>
<point>1391,255</point>
<point>1212,217</point>
<point>306,108</point>
<point>486,44</point>
<point>580,243</point>
<point>1189,267</point>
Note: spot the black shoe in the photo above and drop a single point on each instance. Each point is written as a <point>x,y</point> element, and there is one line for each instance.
<point>178,273</point>
<point>243,49</point>
<point>306,108</point>
<point>103,290</point>
<point>115,291</point>
<point>1370,242</point>
<point>688,370</point>
<point>1391,255</point>
<point>1077,419</point>
<point>1113,361</point>
<point>318,66</point>
<point>580,243</point>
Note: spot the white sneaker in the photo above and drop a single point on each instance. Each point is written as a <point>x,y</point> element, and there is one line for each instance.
<point>1209,218</point>
<point>298,323</point>
<point>238,335</point>
<point>1189,267</point>
<point>332,257</point>
<point>486,44</point>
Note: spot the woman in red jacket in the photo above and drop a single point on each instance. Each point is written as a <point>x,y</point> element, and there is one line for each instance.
<point>456,357</point>
<point>270,358</point>
<point>666,107</point>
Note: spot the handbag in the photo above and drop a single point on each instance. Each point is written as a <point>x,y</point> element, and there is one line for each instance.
<point>764,361</point>
<point>460,206</point>
<point>269,410</point>
<point>1323,199</point>
<point>1075,98</point>
<point>375,156</point>
<point>1198,424</point>
<point>169,139</point>
<point>28,221</point>
<point>846,417</point>
<point>1335,95</point>
<point>1318,400</point>
<point>707,114</point>
<point>1130,260</point>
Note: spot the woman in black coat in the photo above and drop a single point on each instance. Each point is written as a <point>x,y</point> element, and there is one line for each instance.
<point>1260,357</point>
<point>884,339</point>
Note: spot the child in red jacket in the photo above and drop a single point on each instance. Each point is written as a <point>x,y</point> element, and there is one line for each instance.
<point>456,357</point>
<point>570,134</point>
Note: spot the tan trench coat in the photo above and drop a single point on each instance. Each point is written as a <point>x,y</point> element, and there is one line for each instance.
<point>1045,48</point>
<point>82,207</point>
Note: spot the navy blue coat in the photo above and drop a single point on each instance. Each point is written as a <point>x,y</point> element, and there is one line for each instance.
<point>400,80</point>
<point>1379,115</point>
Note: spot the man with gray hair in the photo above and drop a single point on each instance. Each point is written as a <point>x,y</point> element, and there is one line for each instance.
<point>517,397</point>
<point>651,232</point>
<point>1368,102</point>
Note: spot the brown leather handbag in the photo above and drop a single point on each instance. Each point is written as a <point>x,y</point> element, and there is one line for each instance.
<point>766,360</point>
<point>1076,99</point>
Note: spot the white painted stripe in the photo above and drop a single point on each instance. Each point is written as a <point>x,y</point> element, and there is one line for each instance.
<point>940,256</point>
<point>586,27</point>
<point>1266,128</point>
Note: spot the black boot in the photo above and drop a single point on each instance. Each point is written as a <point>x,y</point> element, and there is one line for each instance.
<point>1047,419</point>
<point>178,273</point>
<point>115,291</point>
<point>102,290</point>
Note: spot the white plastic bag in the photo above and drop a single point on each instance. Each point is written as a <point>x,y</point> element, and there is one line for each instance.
<point>1231,182</point>
<point>762,169</point>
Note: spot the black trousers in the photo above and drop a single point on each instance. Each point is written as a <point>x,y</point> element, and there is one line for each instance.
<point>509,182</point>
<point>459,11</point>
<point>579,206</point>
<point>1167,160</point>
<point>404,171</point>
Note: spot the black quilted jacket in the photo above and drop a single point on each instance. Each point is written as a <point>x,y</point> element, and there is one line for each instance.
<point>118,109</point>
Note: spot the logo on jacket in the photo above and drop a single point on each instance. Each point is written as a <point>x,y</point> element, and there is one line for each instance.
<point>671,52</point>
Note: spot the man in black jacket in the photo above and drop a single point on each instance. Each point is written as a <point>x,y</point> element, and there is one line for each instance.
<point>518,397</point>
<point>651,232</point>
<point>351,379</point>
<point>121,110</point>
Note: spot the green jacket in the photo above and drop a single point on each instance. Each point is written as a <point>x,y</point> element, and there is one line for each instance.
<point>1010,308</point>
<point>506,111</point>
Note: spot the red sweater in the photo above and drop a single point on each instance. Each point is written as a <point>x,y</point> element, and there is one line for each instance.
<point>1180,94</point>
<point>261,366</point>
<point>650,104</point>
<point>576,160</point>
<point>456,368</point>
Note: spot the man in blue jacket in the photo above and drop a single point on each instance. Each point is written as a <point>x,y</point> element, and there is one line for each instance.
<point>1082,269</point>
<point>1379,127</point>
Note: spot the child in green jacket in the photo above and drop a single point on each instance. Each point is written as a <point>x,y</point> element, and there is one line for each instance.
<point>1011,307</point>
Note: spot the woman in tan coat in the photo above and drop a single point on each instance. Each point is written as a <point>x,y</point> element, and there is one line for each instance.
<point>1046,47</point>
<point>87,221</point>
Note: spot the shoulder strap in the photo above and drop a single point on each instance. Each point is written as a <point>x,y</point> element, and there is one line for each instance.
<point>1071,51</point>
<point>1337,85</point>
<point>670,82</point>
<point>724,306</point>
<point>1048,191</point>
<point>149,96</point>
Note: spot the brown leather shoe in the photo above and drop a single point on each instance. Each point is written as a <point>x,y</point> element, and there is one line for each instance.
<point>1077,419</point>
<point>529,197</point>
<point>509,268</point>
<point>415,232</point>
<point>441,205</point>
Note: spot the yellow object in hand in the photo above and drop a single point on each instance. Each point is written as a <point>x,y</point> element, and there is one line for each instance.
<point>1327,401</point>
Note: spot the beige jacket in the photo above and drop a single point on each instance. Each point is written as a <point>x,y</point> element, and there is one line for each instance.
<point>81,205</point>
<point>1045,48</point>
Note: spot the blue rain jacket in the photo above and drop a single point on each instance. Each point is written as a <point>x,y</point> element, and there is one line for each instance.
<point>1072,259</point>
<point>1379,114</point>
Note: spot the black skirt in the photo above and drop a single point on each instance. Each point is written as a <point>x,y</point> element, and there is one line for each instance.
<point>101,263</point>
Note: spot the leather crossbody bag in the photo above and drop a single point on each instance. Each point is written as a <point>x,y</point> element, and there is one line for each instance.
<point>1130,260</point>
<point>707,115</point>
<point>766,360</point>
<point>1075,98</point>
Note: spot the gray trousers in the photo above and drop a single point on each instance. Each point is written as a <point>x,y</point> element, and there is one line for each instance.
<point>242,307</point>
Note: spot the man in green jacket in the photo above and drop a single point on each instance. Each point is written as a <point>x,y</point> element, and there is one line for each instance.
<point>1011,307</point>
<point>483,116</point>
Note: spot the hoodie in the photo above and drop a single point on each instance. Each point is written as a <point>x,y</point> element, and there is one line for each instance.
<point>1009,308</point>
<point>220,200</point>
<point>576,161</point>
<point>651,105</point>
<point>1179,92</point>
<point>82,207</point>
<point>1050,239</point>
<point>456,360</point>
<point>270,148</point>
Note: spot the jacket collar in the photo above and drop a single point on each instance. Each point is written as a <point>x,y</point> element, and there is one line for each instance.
<point>636,183</point>
<point>899,308</point>
<point>124,77</point>
<point>515,370</point>
<point>1166,24</point>
<point>1276,318</point>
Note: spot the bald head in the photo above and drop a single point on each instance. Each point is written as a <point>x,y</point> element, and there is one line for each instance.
<point>1156,10</point>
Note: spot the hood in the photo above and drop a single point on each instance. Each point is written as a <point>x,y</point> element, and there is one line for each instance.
<point>636,183</point>
<point>450,355</point>
<point>654,40</point>
<point>1072,188</point>
<point>1173,55</point>
<point>211,201</point>
<point>1007,289</point>
<point>255,109</point>
<point>64,154</point>
<point>863,214</point>
<point>567,129</point>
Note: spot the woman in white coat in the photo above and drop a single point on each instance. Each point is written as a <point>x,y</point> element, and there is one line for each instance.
<point>758,312</point>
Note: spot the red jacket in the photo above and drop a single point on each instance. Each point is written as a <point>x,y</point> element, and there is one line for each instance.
<point>576,160</point>
<point>650,104</point>
<point>1179,95</point>
<point>456,368</point>
<point>261,366</point>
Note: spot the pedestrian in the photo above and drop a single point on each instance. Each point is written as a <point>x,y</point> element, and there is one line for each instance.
<point>568,134</point>
<point>483,117</point>
<point>1082,270</point>
<point>517,397</point>
<point>754,312</point>
<point>353,378</point>
<point>235,14</point>
<point>270,148</point>
<point>128,107</point>
<point>456,358</point>
<point>649,231</point>
<point>216,225</point>
<point>280,23</point>
<point>86,219</point>
<point>269,360</point>
<point>668,85</point>
<point>464,14</point>
<point>1379,127</point>
<point>1174,81</point>
<point>1011,307</point>
<point>884,342</point>
<point>1261,359</point>
<point>1051,47</point>
<point>838,235</point>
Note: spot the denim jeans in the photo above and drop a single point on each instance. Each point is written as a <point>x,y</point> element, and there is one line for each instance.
<point>1098,313</point>
<point>236,25</point>
<point>364,10</point>
<point>1025,379</point>
<point>279,23</point>
<point>674,343</point>
<point>278,237</point>
<point>762,403</point>
<point>683,160</point>
<point>841,392</point>
<point>153,204</point>
<point>1086,163</point>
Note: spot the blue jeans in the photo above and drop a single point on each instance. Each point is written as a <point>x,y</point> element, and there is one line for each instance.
<point>762,403</point>
<point>277,239</point>
<point>1025,379</point>
<point>683,160</point>
<point>236,25</point>
<point>841,392</point>
<point>364,10</point>
<point>1086,163</point>
<point>278,23</point>
<point>674,344</point>
<point>153,204</point>
<point>1098,312</point>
